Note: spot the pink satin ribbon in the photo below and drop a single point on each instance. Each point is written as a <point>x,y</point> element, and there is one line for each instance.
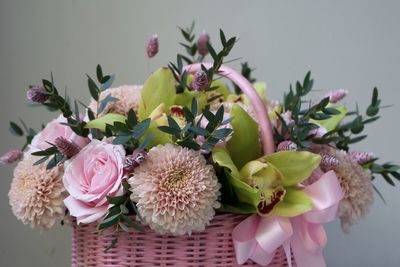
<point>257,238</point>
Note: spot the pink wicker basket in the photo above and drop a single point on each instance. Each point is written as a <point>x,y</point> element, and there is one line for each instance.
<point>213,247</point>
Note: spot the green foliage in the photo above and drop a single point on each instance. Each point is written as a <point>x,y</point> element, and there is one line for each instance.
<point>129,133</point>
<point>181,76</point>
<point>119,216</point>
<point>212,133</point>
<point>350,132</point>
<point>22,131</point>
<point>388,171</point>
<point>50,155</point>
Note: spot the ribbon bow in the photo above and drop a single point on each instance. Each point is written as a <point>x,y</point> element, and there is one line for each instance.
<point>257,238</point>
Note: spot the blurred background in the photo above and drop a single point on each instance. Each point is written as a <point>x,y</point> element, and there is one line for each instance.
<point>346,44</point>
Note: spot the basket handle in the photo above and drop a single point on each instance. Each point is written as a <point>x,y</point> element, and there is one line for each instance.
<point>267,139</point>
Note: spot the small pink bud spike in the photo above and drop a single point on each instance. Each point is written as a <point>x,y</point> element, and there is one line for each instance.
<point>200,81</point>
<point>362,157</point>
<point>152,46</point>
<point>67,148</point>
<point>37,94</point>
<point>11,156</point>
<point>329,161</point>
<point>204,38</point>
<point>336,95</point>
<point>133,161</point>
<point>287,146</point>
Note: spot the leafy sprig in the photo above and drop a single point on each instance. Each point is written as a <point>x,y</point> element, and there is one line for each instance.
<point>350,132</point>
<point>300,130</point>
<point>388,171</point>
<point>190,46</point>
<point>50,155</point>
<point>119,216</point>
<point>23,131</point>
<point>211,134</point>
<point>130,132</point>
<point>181,76</point>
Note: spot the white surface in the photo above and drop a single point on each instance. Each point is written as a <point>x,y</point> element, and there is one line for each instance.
<point>347,44</point>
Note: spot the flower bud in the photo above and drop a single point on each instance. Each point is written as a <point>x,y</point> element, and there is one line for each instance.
<point>336,95</point>
<point>133,161</point>
<point>11,156</point>
<point>204,38</point>
<point>362,157</point>
<point>37,94</point>
<point>200,81</point>
<point>152,46</point>
<point>67,148</point>
<point>329,161</point>
<point>287,145</point>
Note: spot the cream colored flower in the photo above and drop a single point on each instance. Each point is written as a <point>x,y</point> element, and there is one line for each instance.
<point>36,194</point>
<point>356,184</point>
<point>176,190</point>
<point>128,95</point>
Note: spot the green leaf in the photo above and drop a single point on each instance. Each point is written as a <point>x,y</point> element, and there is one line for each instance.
<point>244,192</point>
<point>101,122</point>
<point>124,209</point>
<point>331,123</point>
<point>99,73</point>
<point>15,129</point>
<point>57,158</point>
<point>107,84</point>
<point>40,161</point>
<point>110,221</point>
<point>244,145</point>
<point>295,203</point>
<point>159,137</point>
<point>295,166</point>
<point>116,200</point>
<point>93,89</point>
<point>140,129</point>
<point>105,101</point>
<point>159,88</point>
<point>132,120</point>
<point>132,224</point>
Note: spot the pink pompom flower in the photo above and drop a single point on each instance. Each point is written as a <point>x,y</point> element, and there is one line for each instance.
<point>92,175</point>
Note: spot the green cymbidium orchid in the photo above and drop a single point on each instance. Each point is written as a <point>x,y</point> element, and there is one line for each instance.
<point>100,123</point>
<point>270,183</point>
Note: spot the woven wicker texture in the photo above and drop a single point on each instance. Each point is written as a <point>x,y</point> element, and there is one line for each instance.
<point>212,248</point>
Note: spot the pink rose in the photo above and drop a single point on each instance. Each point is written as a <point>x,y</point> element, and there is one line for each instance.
<point>90,176</point>
<point>53,130</point>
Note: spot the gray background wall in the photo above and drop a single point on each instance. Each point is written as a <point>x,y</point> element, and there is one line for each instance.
<point>347,44</point>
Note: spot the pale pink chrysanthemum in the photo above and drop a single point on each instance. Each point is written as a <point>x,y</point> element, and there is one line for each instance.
<point>36,194</point>
<point>356,184</point>
<point>128,98</point>
<point>176,191</point>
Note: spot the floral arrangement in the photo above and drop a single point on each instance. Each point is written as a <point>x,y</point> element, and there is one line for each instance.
<point>185,146</point>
